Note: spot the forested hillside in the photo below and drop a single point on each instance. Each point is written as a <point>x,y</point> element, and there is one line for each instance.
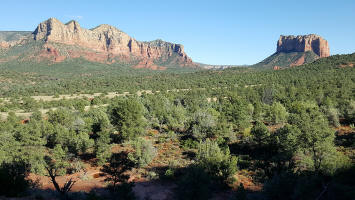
<point>238,133</point>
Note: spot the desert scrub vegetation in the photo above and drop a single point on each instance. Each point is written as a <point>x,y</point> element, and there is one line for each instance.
<point>217,162</point>
<point>144,152</point>
<point>289,130</point>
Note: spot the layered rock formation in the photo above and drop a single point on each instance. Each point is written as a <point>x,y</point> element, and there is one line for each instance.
<point>296,50</point>
<point>107,39</point>
<point>303,43</point>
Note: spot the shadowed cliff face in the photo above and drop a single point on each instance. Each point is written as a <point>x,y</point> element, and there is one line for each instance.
<point>303,43</point>
<point>107,41</point>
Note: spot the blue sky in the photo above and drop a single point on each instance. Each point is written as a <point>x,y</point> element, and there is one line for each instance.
<point>213,32</point>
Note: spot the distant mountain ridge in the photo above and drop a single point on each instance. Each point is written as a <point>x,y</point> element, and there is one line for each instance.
<point>296,50</point>
<point>12,38</point>
<point>8,36</point>
<point>105,44</point>
<point>55,42</point>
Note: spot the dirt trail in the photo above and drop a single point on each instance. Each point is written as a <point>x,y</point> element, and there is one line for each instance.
<point>26,115</point>
<point>108,95</point>
<point>21,113</point>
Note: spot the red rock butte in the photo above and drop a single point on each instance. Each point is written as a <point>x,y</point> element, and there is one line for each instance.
<point>108,40</point>
<point>303,43</point>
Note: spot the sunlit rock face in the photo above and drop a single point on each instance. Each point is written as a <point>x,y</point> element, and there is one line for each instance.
<point>303,43</point>
<point>108,39</point>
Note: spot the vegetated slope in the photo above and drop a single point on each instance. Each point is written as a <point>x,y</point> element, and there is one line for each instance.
<point>281,59</point>
<point>88,77</point>
<point>332,70</point>
<point>32,58</point>
<point>277,123</point>
<point>7,36</point>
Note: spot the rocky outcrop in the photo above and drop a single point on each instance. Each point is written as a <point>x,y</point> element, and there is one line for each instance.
<point>4,44</point>
<point>303,43</point>
<point>8,44</point>
<point>299,61</point>
<point>12,38</point>
<point>111,41</point>
<point>276,67</point>
<point>148,64</point>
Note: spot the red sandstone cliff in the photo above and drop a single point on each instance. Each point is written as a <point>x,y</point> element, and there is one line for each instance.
<point>303,43</point>
<point>110,42</point>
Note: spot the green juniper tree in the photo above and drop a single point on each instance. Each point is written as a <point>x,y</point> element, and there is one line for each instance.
<point>127,117</point>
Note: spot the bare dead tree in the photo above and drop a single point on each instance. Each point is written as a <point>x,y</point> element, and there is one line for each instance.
<point>53,172</point>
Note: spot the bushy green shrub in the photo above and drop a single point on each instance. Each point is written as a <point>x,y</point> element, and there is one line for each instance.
<point>116,170</point>
<point>96,101</point>
<point>235,110</point>
<point>75,166</point>
<point>189,144</point>
<point>261,134</point>
<point>276,113</point>
<point>169,174</point>
<point>60,116</point>
<point>80,104</point>
<point>333,116</point>
<point>202,125</point>
<point>144,152</point>
<point>127,117</point>
<point>102,147</point>
<point>217,162</point>
<point>98,120</point>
